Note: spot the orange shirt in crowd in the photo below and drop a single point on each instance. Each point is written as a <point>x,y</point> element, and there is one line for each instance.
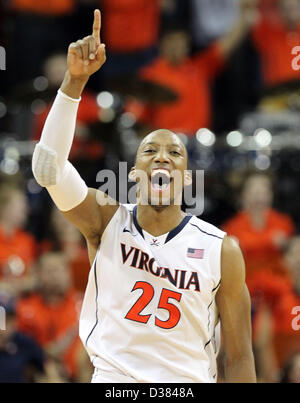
<point>275,44</point>
<point>191,81</point>
<point>88,113</point>
<point>281,298</point>
<point>46,7</point>
<point>49,323</point>
<point>260,252</point>
<point>20,245</point>
<point>286,337</point>
<point>130,25</point>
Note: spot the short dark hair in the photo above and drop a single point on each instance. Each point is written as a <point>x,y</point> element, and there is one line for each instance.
<point>173,27</point>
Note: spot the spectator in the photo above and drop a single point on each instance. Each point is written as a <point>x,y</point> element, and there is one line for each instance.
<point>275,39</point>
<point>189,78</point>
<point>64,237</point>
<point>50,316</point>
<point>21,358</point>
<point>17,247</point>
<point>286,298</point>
<point>261,231</point>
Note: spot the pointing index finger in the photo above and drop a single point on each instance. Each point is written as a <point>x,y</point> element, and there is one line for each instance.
<point>97,27</point>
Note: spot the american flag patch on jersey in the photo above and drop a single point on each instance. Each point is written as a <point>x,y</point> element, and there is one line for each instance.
<point>195,253</point>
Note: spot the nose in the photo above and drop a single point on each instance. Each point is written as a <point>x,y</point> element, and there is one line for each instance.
<point>162,156</point>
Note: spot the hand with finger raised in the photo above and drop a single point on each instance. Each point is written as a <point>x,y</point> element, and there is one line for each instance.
<point>85,57</point>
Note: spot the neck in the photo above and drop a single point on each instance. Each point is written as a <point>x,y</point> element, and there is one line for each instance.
<point>8,228</point>
<point>258,218</point>
<point>52,298</point>
<point>159,220</point>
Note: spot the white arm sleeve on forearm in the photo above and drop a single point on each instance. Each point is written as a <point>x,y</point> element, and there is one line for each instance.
<point>59,128</point>
<point>50,164</point>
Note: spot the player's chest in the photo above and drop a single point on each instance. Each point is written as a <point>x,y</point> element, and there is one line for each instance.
<point>180,265</point>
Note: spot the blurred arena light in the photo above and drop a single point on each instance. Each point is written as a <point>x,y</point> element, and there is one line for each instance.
<point>107,115</point>
<point>105,99</point>
<point>262,137</point>
<point>234,138</point>
<point>9,166</point>
<point>38,106</point>
<point>12,152</point>
<point>40,83</point>
<point>262,162</point>
<point>127,120</point>
<point>16,266</point>
<point>206,137</point>
<point>33,187</point>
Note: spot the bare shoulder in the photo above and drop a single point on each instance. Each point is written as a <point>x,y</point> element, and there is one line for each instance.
<point>93,214</point>
<point>232,266</point>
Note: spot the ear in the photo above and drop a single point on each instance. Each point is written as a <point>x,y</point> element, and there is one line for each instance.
<point>188,178</point>
<point>132,174</point>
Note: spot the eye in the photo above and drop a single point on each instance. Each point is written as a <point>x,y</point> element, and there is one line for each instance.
<point>149,151</point>
<point>175,153</point>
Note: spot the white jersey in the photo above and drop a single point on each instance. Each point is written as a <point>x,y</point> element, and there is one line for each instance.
<point>149,311</point>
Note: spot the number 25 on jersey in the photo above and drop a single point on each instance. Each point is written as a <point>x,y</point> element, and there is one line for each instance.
<point>164,303</point>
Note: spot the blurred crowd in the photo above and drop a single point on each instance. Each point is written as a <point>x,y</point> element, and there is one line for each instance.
<point>202,68</point>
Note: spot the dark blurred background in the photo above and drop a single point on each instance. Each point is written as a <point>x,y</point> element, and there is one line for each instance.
<point>225,76</point>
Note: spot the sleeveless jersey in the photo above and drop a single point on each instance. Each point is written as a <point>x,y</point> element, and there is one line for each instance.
<point>149,310</point>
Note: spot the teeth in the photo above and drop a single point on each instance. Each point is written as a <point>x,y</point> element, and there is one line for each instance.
<point>157,187</point>
<point>160,171</point>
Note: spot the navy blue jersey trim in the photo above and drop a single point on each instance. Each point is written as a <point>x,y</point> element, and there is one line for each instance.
<point>171,234</point>
<point>179,228</point>
<point>137,225</point>
<point>96,301</point>
<point>208,325</point>
<point>216,286</point>
<point>207,233</point>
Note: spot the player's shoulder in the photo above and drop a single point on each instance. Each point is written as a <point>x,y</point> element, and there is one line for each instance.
<point>124,213</point>
<point>207,228</point>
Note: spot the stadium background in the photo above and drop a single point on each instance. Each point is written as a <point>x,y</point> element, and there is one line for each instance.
<point>238,114</point>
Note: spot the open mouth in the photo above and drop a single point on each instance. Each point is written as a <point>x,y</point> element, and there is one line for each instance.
<point>160,180</point>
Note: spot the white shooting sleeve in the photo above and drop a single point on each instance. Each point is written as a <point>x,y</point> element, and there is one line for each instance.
<point>50,164</point>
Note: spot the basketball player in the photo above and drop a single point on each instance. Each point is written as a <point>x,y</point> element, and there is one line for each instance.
<point>160,279</point>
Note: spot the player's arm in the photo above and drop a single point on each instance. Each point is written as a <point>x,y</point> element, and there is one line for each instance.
<point>84,207</point>
<point>234,306</point>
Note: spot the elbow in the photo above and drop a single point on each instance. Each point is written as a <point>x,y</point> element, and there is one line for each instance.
<point>44,166</point>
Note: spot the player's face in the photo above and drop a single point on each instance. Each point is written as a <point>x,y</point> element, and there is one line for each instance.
<point>162,159</point>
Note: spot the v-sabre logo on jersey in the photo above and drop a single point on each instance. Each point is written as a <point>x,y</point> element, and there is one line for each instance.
<point>141,260</point>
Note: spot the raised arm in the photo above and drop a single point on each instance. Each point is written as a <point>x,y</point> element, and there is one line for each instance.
<point>88,209</point>
<point>248,16</point>
<point>234,306</point>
